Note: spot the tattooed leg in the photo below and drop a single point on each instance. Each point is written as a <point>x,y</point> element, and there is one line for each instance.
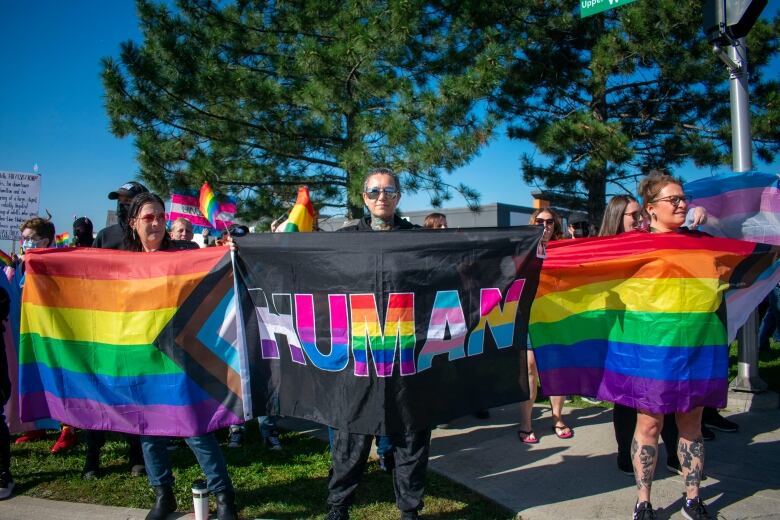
<point>691,455</point>
<point>644,451</point>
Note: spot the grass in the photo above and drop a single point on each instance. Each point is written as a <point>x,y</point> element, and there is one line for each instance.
<point>286,484</point>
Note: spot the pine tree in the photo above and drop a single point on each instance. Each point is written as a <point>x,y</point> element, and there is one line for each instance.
<point>608,98</point>
<point>269,95</point>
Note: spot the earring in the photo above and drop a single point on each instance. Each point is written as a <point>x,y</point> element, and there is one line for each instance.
<point>653,216</point>
<point>135,236</point>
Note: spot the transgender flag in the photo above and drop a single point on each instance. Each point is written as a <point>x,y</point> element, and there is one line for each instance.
<point>186,204</point>
<point>744,206</point>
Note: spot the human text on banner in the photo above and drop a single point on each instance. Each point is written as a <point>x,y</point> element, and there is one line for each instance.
<point>645,319</point>
<point>129,342</point>
<point>384,332</point>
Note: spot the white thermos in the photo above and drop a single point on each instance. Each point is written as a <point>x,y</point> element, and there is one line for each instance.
<point>200,499</point>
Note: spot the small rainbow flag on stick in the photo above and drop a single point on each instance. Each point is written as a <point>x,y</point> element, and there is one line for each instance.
<point>301,217</point>
<point>62,240</point>
<point>208,204</point>
<point>5,259</point>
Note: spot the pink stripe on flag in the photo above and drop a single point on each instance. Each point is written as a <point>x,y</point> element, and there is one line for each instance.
<point>740,202</point>
<point>187,200</point>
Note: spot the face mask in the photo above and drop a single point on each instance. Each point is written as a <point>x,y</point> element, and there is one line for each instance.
<point>122,211</point>
<point>28,244</point>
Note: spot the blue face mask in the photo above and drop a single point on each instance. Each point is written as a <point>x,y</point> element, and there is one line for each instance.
<point>29,244</point>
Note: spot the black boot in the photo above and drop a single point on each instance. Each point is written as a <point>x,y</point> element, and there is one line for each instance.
<point>91,466</point>
<point>226,505</point>
<point>164,503</point>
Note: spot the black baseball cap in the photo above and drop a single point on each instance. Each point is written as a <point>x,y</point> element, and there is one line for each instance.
<point>129,189</point>
<point>238,230</point>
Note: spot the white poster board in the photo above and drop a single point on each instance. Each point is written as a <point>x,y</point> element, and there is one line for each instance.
<point>19,198</point>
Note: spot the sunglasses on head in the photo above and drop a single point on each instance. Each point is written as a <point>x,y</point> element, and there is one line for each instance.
<point>374,193</point>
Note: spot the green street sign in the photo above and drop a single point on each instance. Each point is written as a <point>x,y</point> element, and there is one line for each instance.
<point>589,7</point>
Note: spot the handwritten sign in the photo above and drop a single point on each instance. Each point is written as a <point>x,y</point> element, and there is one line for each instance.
<point>19,198</point>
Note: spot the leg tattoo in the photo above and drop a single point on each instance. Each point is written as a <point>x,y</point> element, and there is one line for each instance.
<point>692,462</point>
<point>644,464</point>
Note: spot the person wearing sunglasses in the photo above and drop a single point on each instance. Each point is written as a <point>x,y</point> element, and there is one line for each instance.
<point>553,230</point>
<point>404,455</point>
<point>666,205</point>
<point>146,233</point>
<point>381,195</point>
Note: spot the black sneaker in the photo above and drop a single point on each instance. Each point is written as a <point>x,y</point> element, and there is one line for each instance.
<point>693,509</point>
<point>272,442</point>
<point>236,438</point>
<point>643,511</point>
<point>337,513</point>
<point>387,462</point>
<point>707,434</point>
<point>6,485</point>
<point>720,423</point>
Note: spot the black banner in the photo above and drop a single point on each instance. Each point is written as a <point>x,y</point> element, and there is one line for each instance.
<point>382,332</point>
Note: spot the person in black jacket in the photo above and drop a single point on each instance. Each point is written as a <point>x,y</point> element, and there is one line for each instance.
<point>112,237</point>
<point>349,451</point>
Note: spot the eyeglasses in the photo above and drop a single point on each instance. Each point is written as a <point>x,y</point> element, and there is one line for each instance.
<point>374,193</point>
<point>674,200</point>
<point>148,219</point>
<point>545,221</point>
<point>636,215</point>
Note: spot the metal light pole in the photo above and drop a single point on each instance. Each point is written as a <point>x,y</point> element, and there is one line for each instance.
<point>747,379</point>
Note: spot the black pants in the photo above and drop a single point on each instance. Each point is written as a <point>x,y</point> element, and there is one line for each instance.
<point>5,442</point>
<point>624,421</point>
<point>97,438</point>
<point>350,453</point>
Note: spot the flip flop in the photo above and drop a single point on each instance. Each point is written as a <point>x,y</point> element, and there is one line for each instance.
<point>561,432</point>
<point>527,437</point>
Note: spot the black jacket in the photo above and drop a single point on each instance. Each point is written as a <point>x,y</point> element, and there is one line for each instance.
<point>364,224</point>
<point>110,237</point>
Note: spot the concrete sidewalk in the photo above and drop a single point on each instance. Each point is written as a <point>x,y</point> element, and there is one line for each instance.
<point>575,478</point>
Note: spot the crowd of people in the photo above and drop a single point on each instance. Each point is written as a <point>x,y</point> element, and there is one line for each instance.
<point>141,228</point>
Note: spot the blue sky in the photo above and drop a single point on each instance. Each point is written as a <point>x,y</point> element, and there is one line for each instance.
<point>52,114</point>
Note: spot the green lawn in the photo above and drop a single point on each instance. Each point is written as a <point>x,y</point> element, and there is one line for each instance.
<point>287,484</point>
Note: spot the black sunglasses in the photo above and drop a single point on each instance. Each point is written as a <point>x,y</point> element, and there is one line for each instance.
<point>374,193</point>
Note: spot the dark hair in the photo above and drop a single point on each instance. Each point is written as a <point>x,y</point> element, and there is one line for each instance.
<point>82,232</point>
<point>557,232</point>
<point>43,227</point>
<point>612,223</point>
<point>652,185</point>
<point>435,220</point>
<point>381,171</point>
<point>131,240</point>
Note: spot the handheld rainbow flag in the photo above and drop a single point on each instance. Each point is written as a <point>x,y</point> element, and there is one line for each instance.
<point>745,206</point>
<point>5,259</point>
<point>62,240</point>
<point>129,342</point>
<point>643,319</point>
<point>208,203</point>
<point>301,218</point>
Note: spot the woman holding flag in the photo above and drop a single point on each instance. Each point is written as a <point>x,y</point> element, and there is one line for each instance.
<point>146,233</point>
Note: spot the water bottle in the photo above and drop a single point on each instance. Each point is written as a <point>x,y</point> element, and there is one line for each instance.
<point>200,499</point>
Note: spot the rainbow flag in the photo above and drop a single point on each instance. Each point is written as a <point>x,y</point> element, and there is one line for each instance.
<point>5,259</point>
<point>301,218</point>
<point>745,206</point>
<point>129,342</point>
<point>186,204</point>
<point>643,319</point>
<point>207,201</point>
<point>62,240</point>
